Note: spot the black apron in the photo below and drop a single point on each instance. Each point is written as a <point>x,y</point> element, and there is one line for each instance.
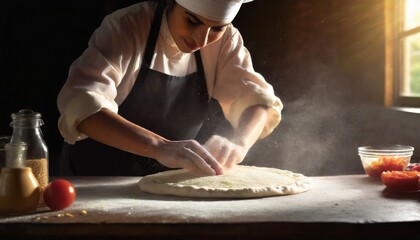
<point>173,107</point>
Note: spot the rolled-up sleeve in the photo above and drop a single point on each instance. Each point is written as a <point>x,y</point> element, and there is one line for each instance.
<point>237,86</point>
<point>78,109</point>
<point>93,79</point>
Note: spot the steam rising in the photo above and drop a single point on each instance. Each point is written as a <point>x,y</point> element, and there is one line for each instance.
<point>320,136</point>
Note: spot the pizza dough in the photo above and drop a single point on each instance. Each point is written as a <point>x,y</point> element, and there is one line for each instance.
<point>239,182</point>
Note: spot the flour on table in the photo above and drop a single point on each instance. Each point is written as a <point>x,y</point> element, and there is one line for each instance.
<point>239,182</point>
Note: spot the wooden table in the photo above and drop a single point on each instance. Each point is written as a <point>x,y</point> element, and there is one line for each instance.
<point>336,207</point>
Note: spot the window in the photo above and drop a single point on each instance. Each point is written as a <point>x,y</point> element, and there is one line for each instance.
<point>402,84</point>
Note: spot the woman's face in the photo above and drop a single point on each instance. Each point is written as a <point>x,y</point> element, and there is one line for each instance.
<point>191,31</point>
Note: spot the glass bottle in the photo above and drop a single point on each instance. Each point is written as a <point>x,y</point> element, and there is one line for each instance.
<point>26,128</point>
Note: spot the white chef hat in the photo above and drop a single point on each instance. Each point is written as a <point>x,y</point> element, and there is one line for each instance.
<point>215,10</point>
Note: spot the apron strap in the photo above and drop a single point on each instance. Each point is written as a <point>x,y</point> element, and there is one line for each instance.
<point>200,68</point>
<point>153,34</point>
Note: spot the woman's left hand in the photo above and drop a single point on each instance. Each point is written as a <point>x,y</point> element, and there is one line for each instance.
<point>231,151</point>
<point>226,152</point>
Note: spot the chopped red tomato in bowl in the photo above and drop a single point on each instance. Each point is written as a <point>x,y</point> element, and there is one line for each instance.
<point>375,168</point>
<point>378,159</point>
<point>401,180</point>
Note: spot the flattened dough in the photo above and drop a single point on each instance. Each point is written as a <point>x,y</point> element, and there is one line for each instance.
<point>239,182</point>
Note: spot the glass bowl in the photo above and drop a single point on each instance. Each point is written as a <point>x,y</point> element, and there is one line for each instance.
<point>377,159</point>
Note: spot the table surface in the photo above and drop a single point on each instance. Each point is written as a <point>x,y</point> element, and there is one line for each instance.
<point>355,204</point>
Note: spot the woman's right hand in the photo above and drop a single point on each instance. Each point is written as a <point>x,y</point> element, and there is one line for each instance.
<point>188,154</point>
<point>110,128</point>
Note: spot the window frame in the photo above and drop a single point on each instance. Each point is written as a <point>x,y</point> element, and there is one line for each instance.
<point>394,55</point>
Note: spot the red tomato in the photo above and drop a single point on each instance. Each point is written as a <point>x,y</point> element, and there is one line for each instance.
<point>401,180</point>
<point>59,194</point>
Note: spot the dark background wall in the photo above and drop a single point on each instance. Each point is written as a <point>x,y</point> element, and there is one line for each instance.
<point>324,58</point>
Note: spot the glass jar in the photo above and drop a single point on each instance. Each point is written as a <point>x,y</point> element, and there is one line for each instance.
<point>26,128</point>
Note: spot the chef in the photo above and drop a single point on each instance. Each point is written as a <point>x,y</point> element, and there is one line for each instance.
<point>135,100</point>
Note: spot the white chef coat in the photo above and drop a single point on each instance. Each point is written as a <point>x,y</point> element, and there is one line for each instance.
<point>104,74</point>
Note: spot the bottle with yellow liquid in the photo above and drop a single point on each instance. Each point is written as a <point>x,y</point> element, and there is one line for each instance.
<point>19,189</point>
